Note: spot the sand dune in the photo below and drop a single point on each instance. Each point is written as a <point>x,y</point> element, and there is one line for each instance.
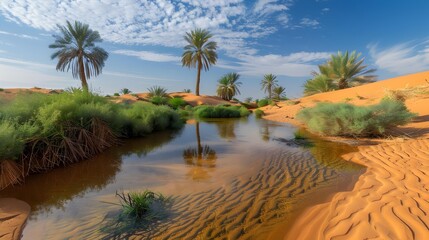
<point>389,201</point>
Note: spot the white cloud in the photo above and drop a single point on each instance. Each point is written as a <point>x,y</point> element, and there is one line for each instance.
<point>19,35</point>
<point>152,22</point>
<point>298,64</point>
<point>149,56</point>
<point>402,58</point>
<point>307,22</point>
<point>25,63</point>
<point>325,10</point>
<point>283,19</point>
<point>266,7</point>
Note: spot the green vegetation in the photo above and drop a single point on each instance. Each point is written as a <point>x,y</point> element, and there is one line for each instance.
<point>116,94</point>
<point>264,102</point>
<point>343,119</point>
<point>319,84</point>
<point>279,93</point>
<point>137,205</point>
<point>346,70</point>
<point>76,51</point>
<point>1,89</point>
<point>220,111</point>
<point>157,100</point>
<point>125,91</point>
<point>176,102</point>
<point>228,85</point>
<point>46,131</point>
<point>187,90</point>
<point>157,91</point>
<point>259,113</point>
<point>199,53</point>
<point>268,83</point>
<point>298,135</point>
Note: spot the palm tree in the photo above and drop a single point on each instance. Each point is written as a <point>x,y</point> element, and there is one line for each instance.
<point>228,86</point>
<point>279,93</point>
<point>77,51</point>
<point>268,83</point>
<point>346,69</point>
<point>319,84</point>
<point>199,53</point>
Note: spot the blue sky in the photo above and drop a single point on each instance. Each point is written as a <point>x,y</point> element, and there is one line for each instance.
<point>145,40</point>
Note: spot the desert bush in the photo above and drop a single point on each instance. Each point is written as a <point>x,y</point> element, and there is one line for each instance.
<point>1,89</point>
<point>187,90</point>
<point>220,111</point>
<point>403,94</point>
<point>343,119</point>
<point>264,102</point>
<point>116,94</point>
<point>176,102</point>
<point>158,100</point>
<point>259,113</point>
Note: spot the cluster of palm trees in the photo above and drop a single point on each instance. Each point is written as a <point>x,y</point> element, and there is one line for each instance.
<point>342,70</point>
<point>76,51</point>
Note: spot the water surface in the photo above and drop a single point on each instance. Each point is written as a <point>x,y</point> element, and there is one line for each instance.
<point>229,179</point>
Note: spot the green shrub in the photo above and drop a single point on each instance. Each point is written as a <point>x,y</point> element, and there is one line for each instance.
<point>1,89</point>
<point>220,111</point>
<point>157,100</point>
<point>188,108</point>
<point>259,113</point>
<point>264,102</point>
<point>187,90</point>
<point>176,102</point>
<point>343,119</point>
<point>116,94</point>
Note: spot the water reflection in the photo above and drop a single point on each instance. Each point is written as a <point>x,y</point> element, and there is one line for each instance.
<point>201,159</point>
<point>226,129</point>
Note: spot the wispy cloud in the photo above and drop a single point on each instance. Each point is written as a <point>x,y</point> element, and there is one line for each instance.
<point>307,22</point>
<point>265,7</point>
<point>25,63</point>
<point>149,56</point>
<point>18,35</point>
<point>325,10</point>
<point>298,64</point>
<point>402,58</point>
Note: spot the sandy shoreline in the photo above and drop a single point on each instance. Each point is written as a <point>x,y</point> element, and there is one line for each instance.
<point>13,215</point>
<point>391,199</point>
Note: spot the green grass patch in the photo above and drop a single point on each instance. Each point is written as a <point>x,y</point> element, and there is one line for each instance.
<point>264,102</point>
<point>176,102</point>
<point>343,119</point>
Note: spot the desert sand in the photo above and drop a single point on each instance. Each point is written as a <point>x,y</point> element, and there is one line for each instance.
<point>13,215</point>
<point>391,199</point>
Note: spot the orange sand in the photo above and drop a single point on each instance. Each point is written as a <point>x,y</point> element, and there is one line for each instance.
<point>13,215</point>
<point>391,199</point>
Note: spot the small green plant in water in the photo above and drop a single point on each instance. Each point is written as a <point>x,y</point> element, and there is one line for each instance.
<point>259,113</point>
<point>138,205</point>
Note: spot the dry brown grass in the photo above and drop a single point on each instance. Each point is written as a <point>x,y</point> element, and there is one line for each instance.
<point>403,94</point>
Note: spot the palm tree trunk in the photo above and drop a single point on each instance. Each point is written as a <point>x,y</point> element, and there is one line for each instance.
<point>269,92</point>
<point>342,84</point>
<point>200,148</point>
<point>82,73</point>
<point>197,88</point>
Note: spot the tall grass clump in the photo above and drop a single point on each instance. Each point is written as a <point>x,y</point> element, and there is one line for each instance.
<point>220,111</point>
<point>41,132</point>
<point>138,205</point>
<point>343,119</point>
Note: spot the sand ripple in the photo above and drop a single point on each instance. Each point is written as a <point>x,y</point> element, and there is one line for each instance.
<point>389,201</point>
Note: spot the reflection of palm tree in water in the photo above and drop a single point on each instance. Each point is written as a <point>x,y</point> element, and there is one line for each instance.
<point>201,158</point>
<point>226,129</point>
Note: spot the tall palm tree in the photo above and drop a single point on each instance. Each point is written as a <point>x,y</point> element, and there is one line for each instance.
<point>77,51</point>
<point>268,83</point>
<point>228,85</point>
<point>347,70</point>
<point>199,53</point>
<point>279,93</point>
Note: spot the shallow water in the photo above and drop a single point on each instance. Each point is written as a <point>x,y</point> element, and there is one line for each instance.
<point>228,178</point>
